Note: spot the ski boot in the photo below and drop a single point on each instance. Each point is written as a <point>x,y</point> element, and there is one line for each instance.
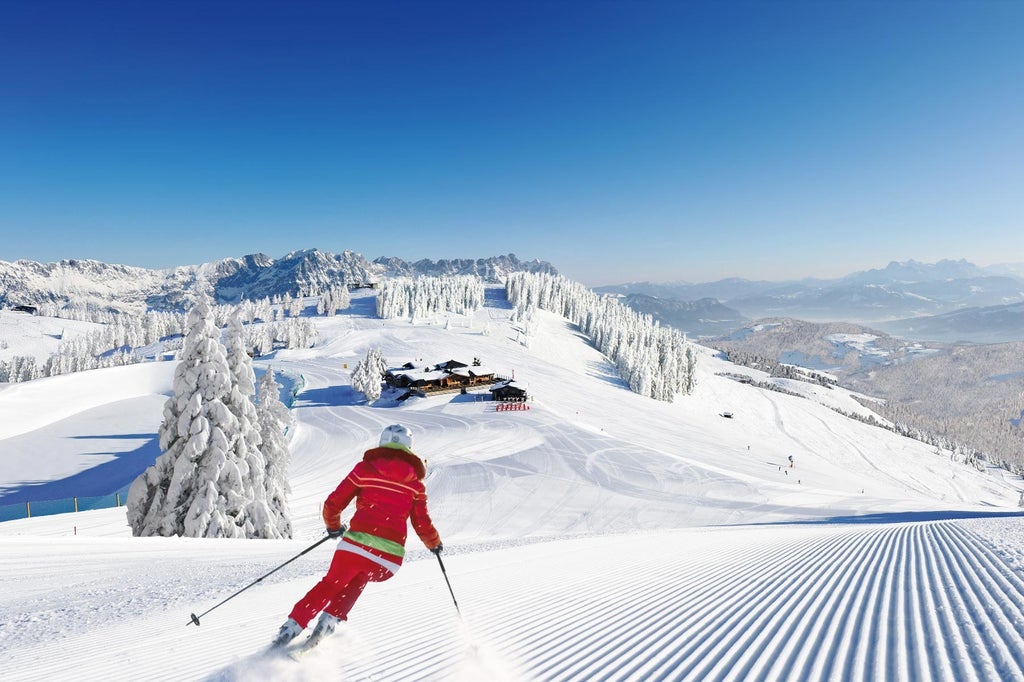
<point>324,627</point>
<point>289,631</point>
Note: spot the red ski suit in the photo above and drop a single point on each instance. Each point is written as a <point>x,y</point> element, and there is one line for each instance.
<point>388,489</point>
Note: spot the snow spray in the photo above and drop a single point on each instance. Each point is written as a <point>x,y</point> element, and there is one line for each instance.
<point>481,661</point>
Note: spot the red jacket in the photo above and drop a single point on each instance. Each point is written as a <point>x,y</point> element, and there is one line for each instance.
<point>388,489</point>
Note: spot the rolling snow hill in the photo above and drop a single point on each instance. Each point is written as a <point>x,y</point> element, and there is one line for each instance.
<point>27,335</point>
<point>596,535</point>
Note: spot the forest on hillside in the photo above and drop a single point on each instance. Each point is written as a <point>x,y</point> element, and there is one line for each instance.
<point>972,394</point>
<point>968,395</point>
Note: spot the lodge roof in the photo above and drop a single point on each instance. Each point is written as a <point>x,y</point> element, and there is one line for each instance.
<point>425,374</point>
<point>509,383</point>
<point>475,371</point>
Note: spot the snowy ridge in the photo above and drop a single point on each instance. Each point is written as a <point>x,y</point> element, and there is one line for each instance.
<point>310,271</point>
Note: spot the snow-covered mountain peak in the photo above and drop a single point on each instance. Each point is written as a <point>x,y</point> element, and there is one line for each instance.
<point>301,272</point>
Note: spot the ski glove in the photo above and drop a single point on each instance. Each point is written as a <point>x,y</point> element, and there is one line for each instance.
<point>337,532</point>
<point>437,550</point>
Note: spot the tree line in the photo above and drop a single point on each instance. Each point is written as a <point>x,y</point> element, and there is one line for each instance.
<point>123,339</point>
<point>655,361</point>
<point>421,297</point>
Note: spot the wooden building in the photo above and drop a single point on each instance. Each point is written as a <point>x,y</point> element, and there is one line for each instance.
<point>448,375</point>
<point>508,391</point>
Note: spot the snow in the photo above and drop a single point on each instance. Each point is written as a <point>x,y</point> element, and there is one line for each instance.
<point>32,405</point>
<point>598,535</point>
<point>861,342</point>
<point>25,334</point>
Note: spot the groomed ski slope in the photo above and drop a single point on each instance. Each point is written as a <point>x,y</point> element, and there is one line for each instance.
<point>896,601</point>
<point>598,535</point>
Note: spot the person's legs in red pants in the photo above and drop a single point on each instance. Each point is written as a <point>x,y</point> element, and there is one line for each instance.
<point>338,591</point>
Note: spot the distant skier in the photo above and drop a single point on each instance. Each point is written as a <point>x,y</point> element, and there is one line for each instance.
<point>791,461</point>
<point>388,489</point>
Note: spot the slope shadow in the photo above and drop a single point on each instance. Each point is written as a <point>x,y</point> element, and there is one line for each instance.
<point>102,479</point>
<point>365,306</point>
<point>495,297</point>
<point>328,396</point>
<point>478,395</point>
<point>603,371</point>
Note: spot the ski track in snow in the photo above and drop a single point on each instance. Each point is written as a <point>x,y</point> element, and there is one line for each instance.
<point>900,601</point>
<point>896,602</point>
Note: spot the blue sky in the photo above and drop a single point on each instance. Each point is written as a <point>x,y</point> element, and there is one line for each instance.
<point>620,141</point>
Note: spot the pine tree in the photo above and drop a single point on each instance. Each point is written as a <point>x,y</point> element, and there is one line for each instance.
<point>368,373</point>
<point>195,488</point>
<point>342,300</point>
<point>259,521</point>
<point>274,420</point>
<point>295,306</point>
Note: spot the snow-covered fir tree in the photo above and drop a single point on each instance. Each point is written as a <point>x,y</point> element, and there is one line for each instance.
<point>334,299</point>
<point>368,374</point>
<point>274,419</point>
<point>341,299</point>
<point>294,333</point>
<point>263,311</point>
<point>197,487</point>
<point>19,368</point>
<point>260,338</point>
<point>260,517</point>
<point>295,306</point>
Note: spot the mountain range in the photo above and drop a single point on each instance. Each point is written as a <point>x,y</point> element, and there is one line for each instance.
<point>947,301</point>
<point>951,300</point>
<point>132,289</point>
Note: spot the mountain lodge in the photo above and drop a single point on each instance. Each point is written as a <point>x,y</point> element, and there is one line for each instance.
<point>444,376</point>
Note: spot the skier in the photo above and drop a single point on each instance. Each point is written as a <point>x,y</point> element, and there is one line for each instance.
<point>388,489</point>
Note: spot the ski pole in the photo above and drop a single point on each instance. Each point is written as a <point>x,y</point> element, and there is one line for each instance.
<point>445,573</point>
<point>195,618</point>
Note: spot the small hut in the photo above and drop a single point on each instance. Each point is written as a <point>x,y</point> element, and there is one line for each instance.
<point>508,391</point>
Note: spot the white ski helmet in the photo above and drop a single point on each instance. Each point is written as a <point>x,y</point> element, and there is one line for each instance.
<point>396,434</point>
